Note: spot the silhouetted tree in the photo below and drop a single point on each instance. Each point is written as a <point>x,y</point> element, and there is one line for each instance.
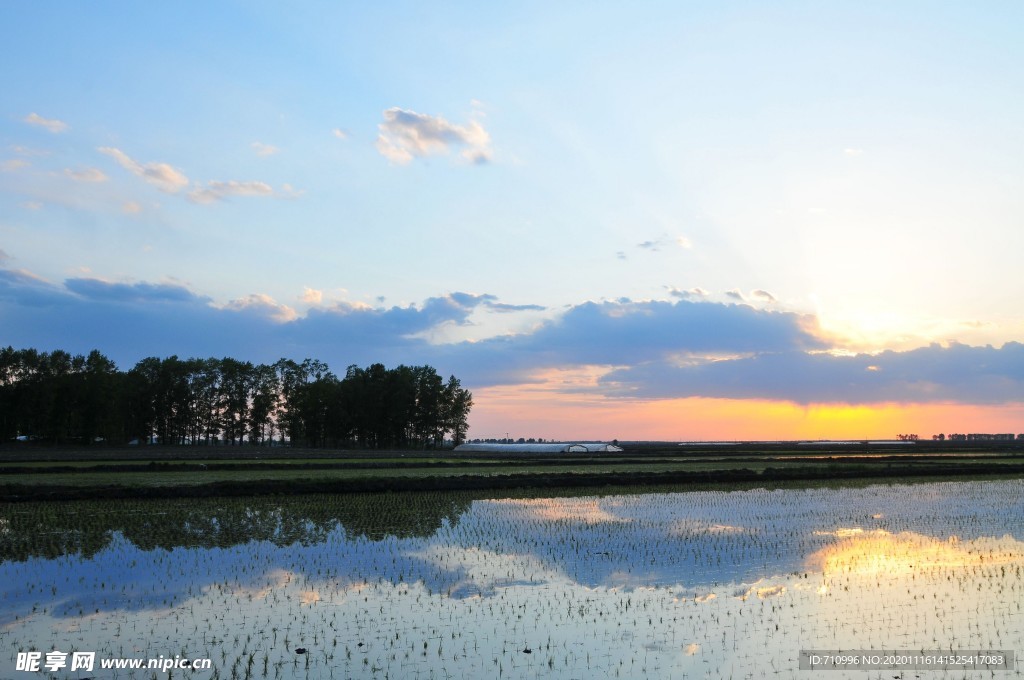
<point>59,398</point>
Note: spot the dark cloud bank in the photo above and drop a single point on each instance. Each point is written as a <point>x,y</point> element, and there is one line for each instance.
<point>660,349</point>
<point>958,373</point>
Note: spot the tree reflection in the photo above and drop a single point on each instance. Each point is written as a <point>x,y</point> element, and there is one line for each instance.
<point>51,530</point>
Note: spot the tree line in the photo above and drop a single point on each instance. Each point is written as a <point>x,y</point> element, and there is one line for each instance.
<point>60,398</point>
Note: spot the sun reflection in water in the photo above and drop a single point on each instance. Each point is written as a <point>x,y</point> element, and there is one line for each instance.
<point>881,552</point>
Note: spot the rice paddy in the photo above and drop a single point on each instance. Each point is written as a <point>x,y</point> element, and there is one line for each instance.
<point>714,583</point>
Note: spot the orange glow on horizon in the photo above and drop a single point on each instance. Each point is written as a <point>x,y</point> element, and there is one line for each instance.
<point>540,411</point>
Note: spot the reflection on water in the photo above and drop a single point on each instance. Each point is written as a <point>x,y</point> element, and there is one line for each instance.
<point>879,552</point>
<point>85,528</point>
<point>708,583</point>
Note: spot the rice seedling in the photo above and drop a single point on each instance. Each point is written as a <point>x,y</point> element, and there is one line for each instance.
<point>712,583</point>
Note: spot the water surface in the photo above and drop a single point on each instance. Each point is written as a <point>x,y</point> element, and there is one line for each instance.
<point>710,583</point>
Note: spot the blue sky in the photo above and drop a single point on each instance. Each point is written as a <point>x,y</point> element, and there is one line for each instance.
<point>648,197</point>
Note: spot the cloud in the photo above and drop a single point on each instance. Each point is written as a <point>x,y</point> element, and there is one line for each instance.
<point>665,241</point>
<point>164,177</point>
<point>262,149</point>
<point>13,165</point>
<point>50,124</point>
<point>369,334</point>
<point>454,308</point>
<point>262,305</point>
<point>756,294</point>
<point>642,349</point>
<point>624,331</point>
<point>692,293</point>
<point>287,191</point>
<point>4,257</point>
<point>131,208</point>
<point>853,152</point>
<point>93,175</point>
<point>311,296</point>
<point>22,277</point>
<point>256,327</point>
<point>132,320</point>
<point>25,291</point>
<point>126,321</point>
<point>630,333</point>
<point>469,301</point>
<point>405,135</point>
<point>505,308</point>
<point>171,180</point>
<point>107,291</point>
<point>218,191</point>
<point>340,134</point>
<point>958,373</point>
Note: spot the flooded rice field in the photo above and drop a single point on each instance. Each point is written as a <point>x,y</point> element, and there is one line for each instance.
<point>688,584</point>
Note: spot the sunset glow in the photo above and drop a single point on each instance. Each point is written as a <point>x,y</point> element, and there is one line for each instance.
<point>523,412</point>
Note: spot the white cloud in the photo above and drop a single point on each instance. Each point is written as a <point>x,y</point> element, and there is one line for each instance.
<point>262,149</point>
<point>695,292</point>
<point>50,124</point>
<point>13,164</point>
<point>762,295</point>
<point>853,152</point>
<point>86,175</point>
<point>311,296</point>
<point>340,134</point>
<point>262,305</point>
<point>217,191</point>
<point>171,180</point>
<point>405,135</point>
<point>164,177</point>
<point>735,294</point>
<point>131,208</point>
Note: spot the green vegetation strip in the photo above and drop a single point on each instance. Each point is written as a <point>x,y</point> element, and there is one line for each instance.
<point>166,481</point>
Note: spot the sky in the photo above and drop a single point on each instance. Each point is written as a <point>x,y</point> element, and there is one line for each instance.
<point>653,220</point>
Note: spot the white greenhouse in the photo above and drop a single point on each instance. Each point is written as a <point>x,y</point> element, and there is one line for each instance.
<point>544,447</point>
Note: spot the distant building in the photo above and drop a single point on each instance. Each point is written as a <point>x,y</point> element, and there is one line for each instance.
<point>537,447</point>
